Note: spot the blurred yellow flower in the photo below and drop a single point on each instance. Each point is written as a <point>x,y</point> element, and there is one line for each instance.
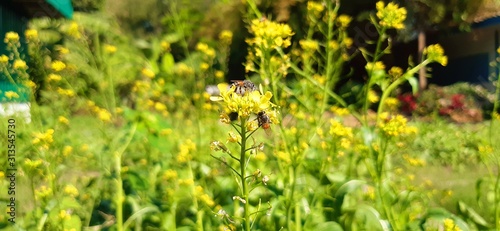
<point>110,49</point>
<point>104,115</point>
<point>31,34</point>
<point>309,45</point>
<point>67,150</point>
<point>64,215</point>
<point>58,66</point>
<point>344,21</point>
<point>165,46</point>
<point>11,37</point>
<point>372,96</point>
<point>54,77</point>
<point>65,92</point>
<point>74,30</point>
<point>20,64</point>
<point>11,95</point>
<point>4,59</point>
<point>219,74</point>
<point>71,190</point>
<point>62,50</point>
<point>396,126</point>
<point>315,8</point>
<point>226,36</point>
<point>246,104</point>
<point>204,66</point>
<point>395,72</point>
<point>63,120</point>
<point>339,130</point>
<point>148,73</point>
<point>270,34</point>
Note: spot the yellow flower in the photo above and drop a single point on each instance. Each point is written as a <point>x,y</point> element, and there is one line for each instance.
<point>65,92</point>
<point>43,192</point>
<point>372,96</point>
<point>309,45</point>
<point>435,53</point>
<point>11,37</point>
<point>54,77</point>
<point>64,215</point>
<point>20,65</point>
<point>11,94</point>
<point>4,59</point>
<point>31,34</point>
<point>62,50</point>
<point>339,130</point>
<point>219,74</point>
<point>396,126</point>
<point>110,49</point>
<point>315,8</point>
<point>71,190</point>
<point>58,66</point>
<point>449,225</point>
<point>104,115</point>
<point>344,20</point>
<point>391,16</point>
<point>74,30</point>
<point>148,73</point>
<point>204,66</point>
<point>63,120</point>
<point>169,174</point>
<point>67,150</point>
<point>396,72</point>
<point>270,34</point>
<point>391,103</point>
<point>165,46</point>
<point>160,107</point>
<point>226,37</point>
<point>32,164</point>
<point>246,104</point>
<point>339,111</point>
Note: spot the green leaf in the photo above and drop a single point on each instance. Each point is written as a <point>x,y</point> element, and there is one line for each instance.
<point>329,226</point>
<point>471,214</point>
<point>167,62</point>
<point>414,84</point>
<point>368,218</point>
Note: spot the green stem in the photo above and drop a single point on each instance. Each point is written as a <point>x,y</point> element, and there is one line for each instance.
<point>243,159</point>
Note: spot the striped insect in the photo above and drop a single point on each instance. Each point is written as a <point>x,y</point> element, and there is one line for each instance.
<point>241,87</point>
<point>264,122</point>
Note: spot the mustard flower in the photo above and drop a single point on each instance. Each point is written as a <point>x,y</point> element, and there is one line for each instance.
<point>343,21</point>
<point>62,50</point>
<point>71,190</point>
<point>315,8</point>
<point>104,115</point>
<point>309,45</point>
<point>219,74</point>
<point>11,95</point>
<point>31,34</point>
<point>20,64</point>
<point>270,34</point>
<point>11,37</point>
<point>63,120</point>
<point>43,192</point>
<point>54,77</point>
<point>372,96</point>
<point>226,36</point>
<point>110,49</point>
<point>396,126</point>
<point>449,225</point>
<point>58,66</point>
<point>204,66</point>
<point>391,16</point>
<point>165,46</point>
<point>395,72</point>
<point>339,111</point>
<point>251,102</point>
<point>64,215</point>
<point>339,130</point>
<point>33,164</point>
<point>65,92</point>
<point>169,174</point>
<point>435,53</point>
<point>67,150</point>
<point>4,59</point>
<point>74,30</point>
<point>148,73</point>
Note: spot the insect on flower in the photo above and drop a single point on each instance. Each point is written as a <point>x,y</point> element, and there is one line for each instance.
<point>243,86</point>
<point>264,122</point>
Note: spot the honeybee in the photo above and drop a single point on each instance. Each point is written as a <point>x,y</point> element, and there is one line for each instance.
<point>264,122</point>
<point>243,86</point>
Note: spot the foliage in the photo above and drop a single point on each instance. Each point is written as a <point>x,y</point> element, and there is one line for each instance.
<point>132,137</point>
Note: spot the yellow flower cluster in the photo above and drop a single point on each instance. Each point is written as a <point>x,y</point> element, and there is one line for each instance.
<point>71,190</point>
<point>11,95</point>
<point>339,130</point>
<point>58,66</point>
<point>169,174</point>
<point>11,37</point>
<point>252,102</point>
<point>340,111</point>
<point>148,73</point>
<point>31,34</point>
<point>375,67</point>
<point>396,126</point>
<point>67,150</point>
<point>315,8</point>
<point>269,34</point>
<point>309,45</point>
<point>44,139</point>
<point>343,21</point>
<point>74,30</point>
<point>435,53</point>
<point>54,77</point>
<point>33,164</point>
<point>202,196</point>
<point>449,225</point>
<point>62,50</point>
<point>4,59</point>
<point>414,161</point>
<point>20,64</point>
<point>205,49</point>
<point>103,114</point>
<point>63,120</point>
<point>226,37</point>
<point>110,49</point>
<point>65,92</point>
<point>185,150</point>
<point>43,192</point>
<point>395,72</point>
<point>391,16</point>
<point>373,96</point>
<point>391,103</point>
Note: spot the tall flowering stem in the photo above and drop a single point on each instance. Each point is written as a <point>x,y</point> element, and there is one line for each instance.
<point>241,103</point>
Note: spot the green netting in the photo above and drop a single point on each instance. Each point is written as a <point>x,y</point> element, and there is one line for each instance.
<point>22,91</point>
<point>63,6</point>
